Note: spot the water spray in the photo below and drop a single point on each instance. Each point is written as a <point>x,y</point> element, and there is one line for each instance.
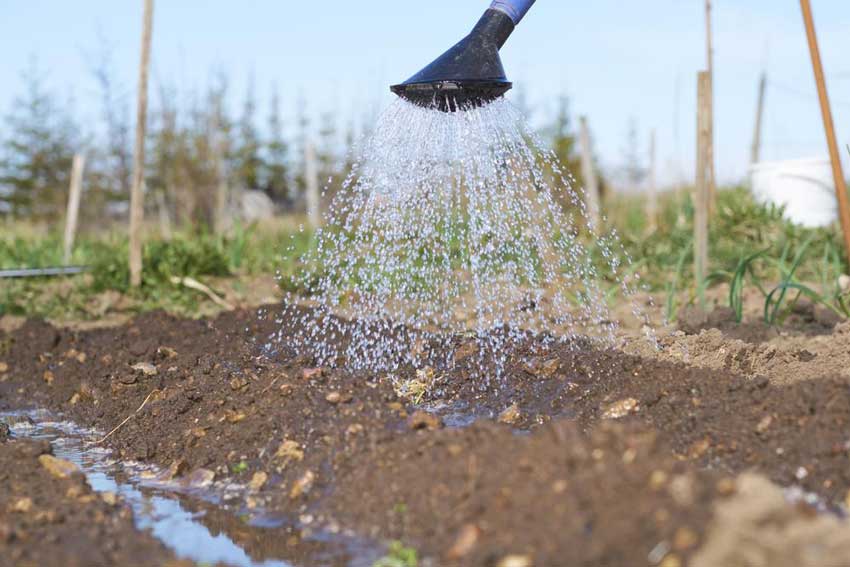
<point>470,74</point>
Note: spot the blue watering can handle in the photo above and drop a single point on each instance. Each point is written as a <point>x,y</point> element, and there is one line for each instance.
<point>516,9</point>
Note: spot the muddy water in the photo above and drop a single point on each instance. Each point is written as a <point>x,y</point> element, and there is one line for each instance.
<point>156,508</point>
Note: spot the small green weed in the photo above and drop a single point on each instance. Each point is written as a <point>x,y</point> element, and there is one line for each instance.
<point>398,556</point>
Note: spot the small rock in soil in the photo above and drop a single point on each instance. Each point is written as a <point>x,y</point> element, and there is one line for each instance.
<point>58,467</point>
<point>303,485</point>
<point>621,408</point>
<point>515,561</point>
<point>289,451</point>
<point>238,383</point>
<point>5,433</point>
<point>22,505</point>
<point>510,415</point>
<point>201,478</point>
<point>312,373</point>
<point>465,542</point>
<point>258,481</point>
<point>145,368</point>
<point>3,367</point>
<point>48,377</point>
<point>333,398</point>
<point>424,420</point>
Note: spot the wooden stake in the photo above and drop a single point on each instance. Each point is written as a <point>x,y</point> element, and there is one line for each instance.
<point>709,47</point>
<point>311,173</point>
<point>652,190</point>
<point>73,213</point>
<point>701,193</point>
<point>755,152</point>
<point>829,125</point>
<point>137,207</point>
<point>591,182</point>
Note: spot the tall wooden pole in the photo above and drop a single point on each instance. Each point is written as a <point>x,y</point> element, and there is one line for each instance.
<point>701,193</point>
<point>709,47</point>
<point>652,190</point>
<point>71,217</point>
<point>137,207</point>
<point>755,151</point>
<point>829,125</point>
<point>591,182</point>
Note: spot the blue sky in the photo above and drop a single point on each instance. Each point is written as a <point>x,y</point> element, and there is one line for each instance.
<point>615,59</point>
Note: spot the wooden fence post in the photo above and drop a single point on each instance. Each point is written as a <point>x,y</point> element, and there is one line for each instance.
<point>73,213</point>
<point>829,125</point>
<point>591,182</point>
<point>709,46</point>
<point>701,192</point>
<point>311,174</point>
<point>137,207</point>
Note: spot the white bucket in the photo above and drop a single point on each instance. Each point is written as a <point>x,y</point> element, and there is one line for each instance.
<point>805,186</point>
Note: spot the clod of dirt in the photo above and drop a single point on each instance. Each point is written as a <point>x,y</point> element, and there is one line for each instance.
<point>424,420</point>
<point>759,528</point>
<point>58,467</point>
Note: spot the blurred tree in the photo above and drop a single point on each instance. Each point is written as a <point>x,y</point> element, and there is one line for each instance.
<point>276,179</point>
<point>302,132</point>
<point>110,158</point>
<point>564,142</point>
<point>35,164</point>
<point>248,162</point>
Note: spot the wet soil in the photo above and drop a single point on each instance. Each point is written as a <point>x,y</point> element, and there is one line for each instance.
<point>47,520</point>
<point>575,456</point>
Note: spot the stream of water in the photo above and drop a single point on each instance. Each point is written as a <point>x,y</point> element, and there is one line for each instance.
<point>455,223</point>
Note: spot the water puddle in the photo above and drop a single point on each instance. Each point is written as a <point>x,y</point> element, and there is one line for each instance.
<point>170,515</point>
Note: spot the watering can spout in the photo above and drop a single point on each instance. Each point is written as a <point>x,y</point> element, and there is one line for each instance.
<point>469,74</point>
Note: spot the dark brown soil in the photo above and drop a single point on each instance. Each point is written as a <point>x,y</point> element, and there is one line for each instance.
<point>45,520</point>
<point>578,457</point>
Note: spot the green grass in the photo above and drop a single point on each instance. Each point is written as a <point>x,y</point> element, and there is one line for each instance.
<point>199,255</point>
<point>752,247</point>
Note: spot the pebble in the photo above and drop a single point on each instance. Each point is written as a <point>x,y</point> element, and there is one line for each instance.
<point>145,368</point>
<point>333,398</point>
<point>312,373</point>
<point>510,415</point>
<point>621,408</point>
<point>58,467</point>
<point>48,377</point>
<point>465,542</point>
<point>258,481</point>
<point>3,367</point>
<point>201,478</point>
<point>22,505</point>
<point>515,561</point>
<point>238,383</point>
<point>303,485</point>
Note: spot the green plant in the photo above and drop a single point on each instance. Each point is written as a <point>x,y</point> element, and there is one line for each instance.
<point>398,556</point>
